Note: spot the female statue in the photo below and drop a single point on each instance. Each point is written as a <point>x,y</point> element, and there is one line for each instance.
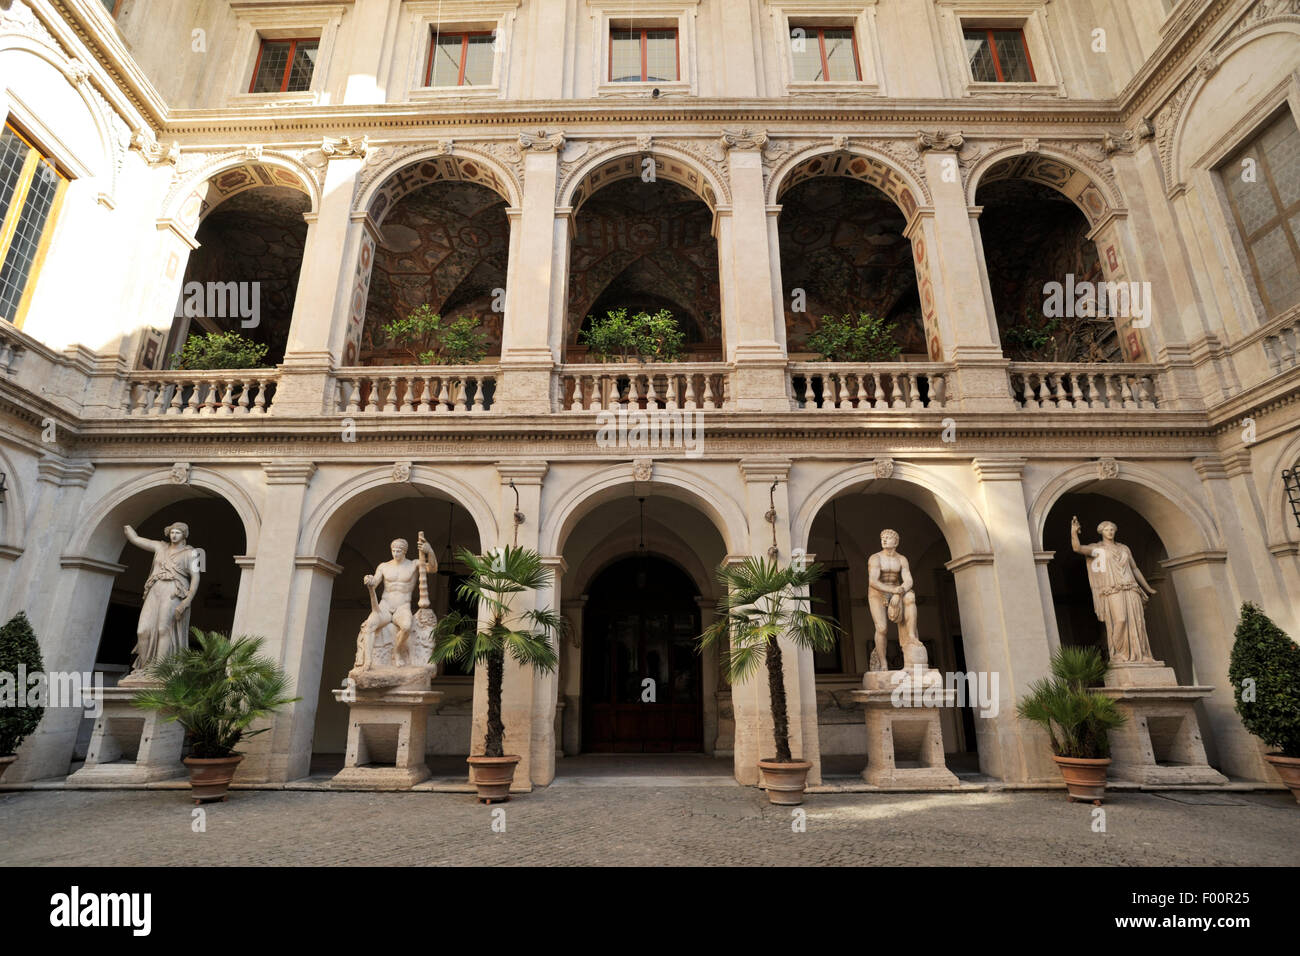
<point>168,593</point>
<point>1119,593</point>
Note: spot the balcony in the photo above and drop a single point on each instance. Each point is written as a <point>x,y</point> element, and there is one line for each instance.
<point>414,390</point>
<point>684,386</point>
<point>151,394</point>
<point>1040,387</point>
<point>832,386</point>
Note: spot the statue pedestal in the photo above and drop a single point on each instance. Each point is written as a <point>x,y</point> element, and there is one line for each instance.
<point>904,736</point>
<point>386,736</point>
<point>129,745</point>
<point>1160,743</point>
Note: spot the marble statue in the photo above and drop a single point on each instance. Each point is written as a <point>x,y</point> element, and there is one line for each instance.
<point>891,598</point>
<point>391,636</point>
<point>169,591</point>
<point>1119,593</point>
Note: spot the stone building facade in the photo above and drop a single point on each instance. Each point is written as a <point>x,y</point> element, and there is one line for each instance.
<point>750,165</point>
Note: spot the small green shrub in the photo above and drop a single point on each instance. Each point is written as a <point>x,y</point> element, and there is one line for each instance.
<point>430,340</point>
<point>1263,655</point>
<point>643,337</point>
<point>1077,721</point>
<point>860,338</point>
<point>18,645</point>
<point>219,350</point>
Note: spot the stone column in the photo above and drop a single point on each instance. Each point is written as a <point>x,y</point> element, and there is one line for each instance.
<point>536,286</point>
<point>371,39</point>
<point>571,674</point>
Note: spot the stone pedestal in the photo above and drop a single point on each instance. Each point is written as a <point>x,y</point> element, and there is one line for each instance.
<point>386,737</point>
<point>1160,742</point>
<point>904,735</point>
<point>129,745</point>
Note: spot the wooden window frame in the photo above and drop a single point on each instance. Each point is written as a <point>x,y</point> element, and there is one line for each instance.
<point>434,37</point>
<point>993,51</point>
<point>645,67</point>
<point>288,66</point>
<point>821,46</point>
<point>13,216</point>
<point>117,5</point>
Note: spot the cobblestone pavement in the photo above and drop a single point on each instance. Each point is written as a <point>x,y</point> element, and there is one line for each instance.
<point>646,826</point>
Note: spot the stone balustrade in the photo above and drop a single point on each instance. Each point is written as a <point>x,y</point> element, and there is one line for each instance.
<point>1097,386</point>
<point>841,386</point>
<point>415,390</point>
<point>200,393</point>
<point>684,386</point>
<point>1282,346</point>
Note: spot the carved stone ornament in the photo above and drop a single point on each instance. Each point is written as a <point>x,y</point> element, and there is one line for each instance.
<point>253,152</point>
<point>402,471</point>
<point>541,141</point>
<point>840,142</point>
<point>154,152</point>
<point>938,140</point>
<point>76,72</point>
<point>643,469</point>
<point>345,147</point>
<point>1030,144</point>
<point>644,142</point>
<point>1107,468</point>
<point>442,147</point>
<point>883,467</point>
<point>181,473</point>
<point>743,139</point>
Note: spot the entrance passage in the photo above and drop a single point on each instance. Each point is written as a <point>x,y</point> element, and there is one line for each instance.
<point>640,672</point>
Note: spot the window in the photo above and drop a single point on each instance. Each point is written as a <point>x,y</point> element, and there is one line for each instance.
<point>998,55</point>
<point>284,66</point>
<point>111,6</point>
<point>1263,186</point>
<point>460,59</point>
<point>643,55</point>
<point>824,54</point>
<point>30,191</point>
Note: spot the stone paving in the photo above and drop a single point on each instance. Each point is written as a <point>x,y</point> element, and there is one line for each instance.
<point>585,823</point>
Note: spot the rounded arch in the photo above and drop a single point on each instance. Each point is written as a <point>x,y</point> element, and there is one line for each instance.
<point>668,480</point>
<point>665,546</point>
<point>99,535</point>
<point>624,162</point>
<point>13,510</point>
<point>1074,177</point>
<point>1257,32</point>
<point>232,173</point>
<point>942,500</point>
<point>857,162</point>
<point>329,522</point>
<point>407,173</point>
<point>1279,525</point>
<point>1183,524</point>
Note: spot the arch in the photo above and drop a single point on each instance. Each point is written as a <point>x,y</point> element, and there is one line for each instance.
<point>1164,505</point>
<point>857,162</point>
<point>99,535</point>
<point>1279,525</point>
<point>943,501</point>
<point>1074,177</point>
<point>233,173</point>
<point>329,522</point>
<point>624,162</point>
<point>412,171</point>
<point>13,510</point>
<point>666,546</point>
<point>670,481</point>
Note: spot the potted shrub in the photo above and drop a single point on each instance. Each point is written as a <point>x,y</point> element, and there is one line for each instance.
<point>430,340</point>
<point>762,601</point>
<point>485,638</point>
<point>219,351</point>
<point>1264,670</point>
<point>216,691</point>
<point>1078,722</point>
<point>18,717</point>
<point>642,337</point>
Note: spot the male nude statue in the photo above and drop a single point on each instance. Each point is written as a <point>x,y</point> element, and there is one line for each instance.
<point>399,578</point>
<point>890,597</point>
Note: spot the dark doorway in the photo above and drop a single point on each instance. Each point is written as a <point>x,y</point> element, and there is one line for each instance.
<point>641,623</point>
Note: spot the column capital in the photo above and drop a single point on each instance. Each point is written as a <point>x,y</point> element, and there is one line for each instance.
<point>764,469</point>
<point>81,562</point>
<point>245,562</point>
<point>999,469</point>
<point>288,472</point>
<point>318,564</point>
<point>971,560</point>
<point>556,563</point>
<point>1194,559</point>
<point>522,472</point>
<point>64,472</point>
<point>1209,467</point>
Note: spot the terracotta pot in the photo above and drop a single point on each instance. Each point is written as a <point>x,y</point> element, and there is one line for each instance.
<point>1288,768</point>
<point>493,776</point>
<point>785,782</point>
<point>210,776</point>
<point>1085,778</point>
<point>5,762</point>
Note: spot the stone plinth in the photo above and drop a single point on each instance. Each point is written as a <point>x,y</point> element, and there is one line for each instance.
<point>904,735</point>
<point>386,737</point>
<point>130,746</point>
<point>1160,742</point>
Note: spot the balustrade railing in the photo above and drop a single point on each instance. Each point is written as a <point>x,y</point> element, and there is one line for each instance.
<point>425,389</point>
<point>200,393</point>
<point>1047,386</point>
<point>673,386</point>
<point>1282,347</point>
<point>847,386</point>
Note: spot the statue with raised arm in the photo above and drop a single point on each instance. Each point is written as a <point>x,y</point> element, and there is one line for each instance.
<point>168,593</point>
<point>1119,593</point>
<point>890,597</point>
<point>390,618</point>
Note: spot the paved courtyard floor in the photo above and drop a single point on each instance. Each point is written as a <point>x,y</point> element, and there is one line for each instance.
<point>584,822</point>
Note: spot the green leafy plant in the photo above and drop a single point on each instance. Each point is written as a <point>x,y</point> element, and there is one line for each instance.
<point>761,602</point>
<point>641,336</point>
<point>18,646</point>
<point>216,691</point>
<point>860,338</point>
<point>1269,704</point>
<point>1036,338</point>
<point>485,638</point>
<point>219,350</point>
<point>1077,721</point>
<point>430,340</point>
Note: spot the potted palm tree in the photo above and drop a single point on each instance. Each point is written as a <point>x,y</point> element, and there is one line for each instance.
<point>1078,722</point>
<point>18,717</point>
<point>494,631</point>
<point>1264,671</point>
<point>761,602</point>
<point>216,691</point>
